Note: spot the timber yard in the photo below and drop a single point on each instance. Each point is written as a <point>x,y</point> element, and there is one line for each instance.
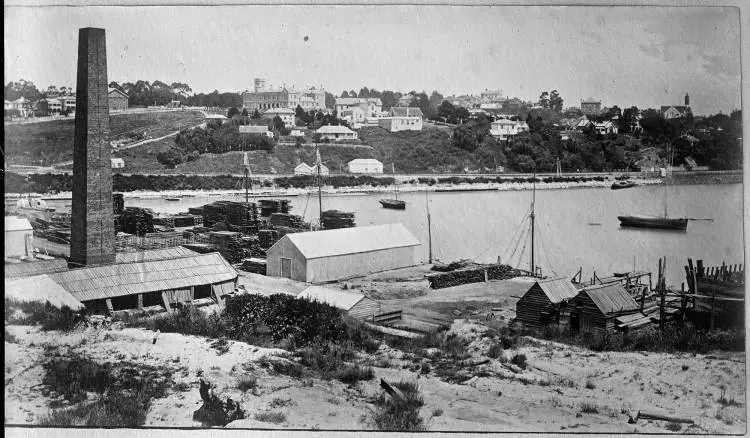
<point>244,312</point>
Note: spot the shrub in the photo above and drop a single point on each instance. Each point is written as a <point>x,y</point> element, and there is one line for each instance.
<point>589,408</point>
<point>270,417</point>
<point>10,337</point>
<point>495,350</point>
<point>519,360</point>
<point>189,320</point>
<point>36,313</point>
<point>674,427</point>
<point>590,384</point>
<point>247,383</point>
<point>73,377</point>
<point>391,415</point>
<point>280,402</point>
<point>354,373</point>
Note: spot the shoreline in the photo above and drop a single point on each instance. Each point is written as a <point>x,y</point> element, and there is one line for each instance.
<point>351,191</point>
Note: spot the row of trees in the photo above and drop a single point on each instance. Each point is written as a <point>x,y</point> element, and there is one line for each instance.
<point>427,104</point>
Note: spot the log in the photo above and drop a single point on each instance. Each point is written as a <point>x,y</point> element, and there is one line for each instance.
<point>394,393</point>
<point>156,336</point>
<point>653,416</point>
<point>471,381</point>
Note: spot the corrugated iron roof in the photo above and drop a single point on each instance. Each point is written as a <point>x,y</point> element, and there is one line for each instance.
<point>334,129</point>
<point>15,223</point>
<point>142,277</point>
<point>41,288</point>
<point>611,298</point>
<point>341,299</point>
<point>405,111</point>
<point>558,289</point>
<point>37,267</point>
<point>316,244</point>
<point>153,254</point>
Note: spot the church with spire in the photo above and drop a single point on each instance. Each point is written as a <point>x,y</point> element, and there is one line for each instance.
<point>677,111</point>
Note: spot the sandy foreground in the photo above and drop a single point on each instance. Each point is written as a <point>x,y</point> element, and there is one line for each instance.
<point>550,395</point>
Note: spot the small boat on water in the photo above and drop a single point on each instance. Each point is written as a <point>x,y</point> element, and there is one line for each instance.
<point>171,199</point>
<point>664,223</point>
<point>33,204</point>
<point>394,204</point>
<point>623,184</point>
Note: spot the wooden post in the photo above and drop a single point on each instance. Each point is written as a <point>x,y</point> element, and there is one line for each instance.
<point>165,302</point>
<point>110,308</point>
<point>643,298</point>
<point>485,276</point>
<point>140,301</point>
<point>713,303</point>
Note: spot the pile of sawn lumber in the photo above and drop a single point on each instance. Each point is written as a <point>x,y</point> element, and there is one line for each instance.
<point>474,275</point>
<point>229,212</point>
<point>332,219</point>
<point>286,220</point>
<point>269,206</point>
<point>254,265</point>
<point>266,238</point>
<point>135,220</point>
<point>118,203</point>
<point>229,245</point>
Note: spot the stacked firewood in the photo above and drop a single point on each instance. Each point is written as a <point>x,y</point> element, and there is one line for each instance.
<point>287,220</point>
<point>473,275</point>
<point>268,206</point>
<point>135,220</point>
<point>332,219</point>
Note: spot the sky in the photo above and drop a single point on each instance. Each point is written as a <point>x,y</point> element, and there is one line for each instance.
<point>625,56</point>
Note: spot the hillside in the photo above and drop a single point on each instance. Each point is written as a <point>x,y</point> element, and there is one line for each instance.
<point>45,143</point>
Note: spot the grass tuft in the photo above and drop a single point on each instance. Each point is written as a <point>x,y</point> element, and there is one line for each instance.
<point>270,417</point>
<point>391,415</point>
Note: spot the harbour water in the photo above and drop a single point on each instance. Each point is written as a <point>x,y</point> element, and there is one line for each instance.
<point>575,228</point>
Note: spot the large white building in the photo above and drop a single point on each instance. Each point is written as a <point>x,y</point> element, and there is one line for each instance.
<point>263,98</point>
<point>329,255</point>
<point>365,165</point>
<point>358,110</point>
<point>503,129</point>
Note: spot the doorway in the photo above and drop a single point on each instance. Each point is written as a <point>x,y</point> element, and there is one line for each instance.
<point>286,268</point>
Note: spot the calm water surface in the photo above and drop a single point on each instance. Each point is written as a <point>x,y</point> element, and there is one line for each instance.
<point>486,225</point>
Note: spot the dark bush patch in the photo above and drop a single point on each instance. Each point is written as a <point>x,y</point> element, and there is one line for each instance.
<point>44,314</point>
<point>391,415</point>
<point>519,360</point>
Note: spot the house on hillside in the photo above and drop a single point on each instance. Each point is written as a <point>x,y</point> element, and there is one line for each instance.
<point>329,255</point>
<point>605,128</point>
<point>118,100</point>
<point>675,111</point>
<point>541,304</point>
<point>402,119</point>
<point>591,107</point>
<point>358,110</point>
<point>256,130</point>
<point>503,129</point>
<point>353,303</point>
<point>285,114</point>
<point>522,126</point>
<point>336,133</point>
<point>365,165</point>
<point>595,308</point>
<point>304,169</point>
<point>117,163</point>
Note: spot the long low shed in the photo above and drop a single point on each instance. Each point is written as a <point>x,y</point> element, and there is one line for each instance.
<point>163,282</point>
<point>596,308</point>
<point>322,256</point>
<point>353,303</point>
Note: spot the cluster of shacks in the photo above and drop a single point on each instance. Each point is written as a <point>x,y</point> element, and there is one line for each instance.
<point>595,309</point>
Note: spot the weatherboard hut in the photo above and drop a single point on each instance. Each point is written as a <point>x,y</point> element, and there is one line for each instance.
<point>595,308</point>
<point>541,304</point>
<point>353,303</point>
<point>329,255</point>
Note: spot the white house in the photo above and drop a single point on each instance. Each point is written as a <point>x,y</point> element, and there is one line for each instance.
<point>117,163</point>
<point>297,133</point>
<point>336,133</point>
<point>256,130</point>
<point>605,128</point>
<point>365,165</point>
<point>18,236</point>
<point>358,110</point>
<point>522,126</point>
<point>402,119</point>
<point>285,114</point>
<point>304,169</point>
<point>503,129</point>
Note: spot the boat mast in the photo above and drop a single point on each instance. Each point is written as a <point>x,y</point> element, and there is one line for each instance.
<point>320,198</point>
<point>247,178</point>
<point>429,224</point>
<point>666,176</point>
<point>533,200</point>
<point>393,173</point>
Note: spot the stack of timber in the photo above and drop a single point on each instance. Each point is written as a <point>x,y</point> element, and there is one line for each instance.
<point>452,266</point>
<point>473,275</point>
<point>198,211</point>
<point>178,221</point>
<point>229,245</point>
<point>202,248</point>
<point>268,206</point>
<point>138,221</point>
<point>234,214</point>
<point>267,238</point>
<point>332,219</point>
<point>118,203</point>
<point>287,220</point>
<point>254,265</point>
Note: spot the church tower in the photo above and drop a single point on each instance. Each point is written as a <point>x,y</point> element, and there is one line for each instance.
<point>687,100</point>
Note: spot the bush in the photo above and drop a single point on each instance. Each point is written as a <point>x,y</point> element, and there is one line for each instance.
<point>36,313</point>
<point>247,383</point>
<point>519,360</point>
<point>270,417</point>
<point>391,415</point>
<point>73,377</point>
<point>353,373</point>
<point>189,320</point>
<point>589,408</point>
<point>495,350</point>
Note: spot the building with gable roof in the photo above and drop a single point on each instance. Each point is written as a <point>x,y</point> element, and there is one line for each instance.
<point>595,308</point>
<point>542,303</point>
<point>329,255</point>
<point>402,119</point>
<point>336,133</point>
<point>353,303</point>
<point>118,100</point>
<point>365,165</point>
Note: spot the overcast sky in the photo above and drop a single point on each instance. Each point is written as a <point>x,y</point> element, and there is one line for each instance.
<point>643,56</point>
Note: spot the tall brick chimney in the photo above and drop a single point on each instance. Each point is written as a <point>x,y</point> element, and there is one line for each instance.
<point>92,224</point>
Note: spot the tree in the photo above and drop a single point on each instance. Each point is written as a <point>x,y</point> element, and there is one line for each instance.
<point>555,101</point>
<point>344,93</point>
<point>436,99</point>
<point>465,137</point>
<point>22,88</point>
<point>628,119</point>
<point>279,126</point>
<point>544,100</point>
<point>256,115</point>
<point>244,113</point>
<point>447,111</point>
<point>170,158</point>
<point>364,93</point>
<point>330,100</point>
<point>233,111</point>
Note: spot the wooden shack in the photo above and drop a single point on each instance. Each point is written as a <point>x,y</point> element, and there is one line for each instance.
<point>595,308</point>
<point>541,304</point>
<point>353,303</point>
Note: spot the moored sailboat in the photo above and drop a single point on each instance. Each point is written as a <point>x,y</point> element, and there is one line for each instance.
<point>395,204</point>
